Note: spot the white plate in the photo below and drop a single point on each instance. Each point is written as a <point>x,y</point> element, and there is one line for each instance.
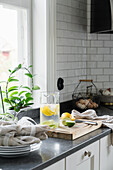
<point>14,147</point>
<point>17,153</point>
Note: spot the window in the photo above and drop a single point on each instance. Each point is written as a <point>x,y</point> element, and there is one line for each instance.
<point>35,36</point>
<point>15,36</point>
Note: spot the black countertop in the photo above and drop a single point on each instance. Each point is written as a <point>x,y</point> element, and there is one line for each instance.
<point>51,151</point>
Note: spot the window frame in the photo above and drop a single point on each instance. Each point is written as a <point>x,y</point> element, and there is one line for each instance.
<point>51,45</point>
<point>44,46</point>
<point>44,43</point>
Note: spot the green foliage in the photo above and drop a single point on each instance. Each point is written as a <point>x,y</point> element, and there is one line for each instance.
<point>29,75</point>
<point>36,87</point>
<point>8,117</point>
<point>19,96</point>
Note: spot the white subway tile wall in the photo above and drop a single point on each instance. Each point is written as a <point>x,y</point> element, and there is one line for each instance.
<point>81,55</point>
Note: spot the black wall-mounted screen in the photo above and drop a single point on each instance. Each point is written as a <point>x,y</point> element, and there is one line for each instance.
<point>101,17</point>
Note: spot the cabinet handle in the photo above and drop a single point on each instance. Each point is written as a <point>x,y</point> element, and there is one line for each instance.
<point>87,153</point>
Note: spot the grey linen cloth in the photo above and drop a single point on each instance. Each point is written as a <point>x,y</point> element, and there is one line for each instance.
<point>23,132</point>
<point>107,121</point>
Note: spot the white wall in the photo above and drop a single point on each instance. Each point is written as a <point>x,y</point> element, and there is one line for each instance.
<point>81,55</point>
<point>72,43</point>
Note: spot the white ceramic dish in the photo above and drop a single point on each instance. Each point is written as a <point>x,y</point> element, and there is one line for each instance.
<point>18,151</point>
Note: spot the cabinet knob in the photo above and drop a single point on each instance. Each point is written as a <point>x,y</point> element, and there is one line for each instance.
<point>87,153</point>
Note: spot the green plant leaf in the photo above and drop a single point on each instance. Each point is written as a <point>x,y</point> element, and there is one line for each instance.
<point>28,104</point>
<point>22,102</point>
<point>17,108</point>
<point>13,80</point>
<point>29,75</point>
<point>10,78</point>
<point>22,92</point>
<point>5,100</point>
<point>30,66</point>
<point>36,87</point>
<point>11,108</point>
<point>12,88</point>
<point>20,66</point>
<point>3,92</point>
<point>26,87</point>
<point>15,100</point>
<point>15,92</point>
<point>9,70</point>
<point>15,70</point>
<point>28,99</point>
<point>28,95</point>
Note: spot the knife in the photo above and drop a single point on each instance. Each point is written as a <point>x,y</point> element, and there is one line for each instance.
<point>87,122</point>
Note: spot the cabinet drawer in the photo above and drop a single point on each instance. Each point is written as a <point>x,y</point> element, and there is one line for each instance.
<point>60,165</point>
<point>87,157</point>
<point>106,153</point>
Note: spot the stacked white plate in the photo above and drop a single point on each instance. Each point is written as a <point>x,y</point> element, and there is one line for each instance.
<point>16,151</point>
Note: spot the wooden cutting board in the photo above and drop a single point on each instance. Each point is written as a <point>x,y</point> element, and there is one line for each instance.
<point>78,130</point>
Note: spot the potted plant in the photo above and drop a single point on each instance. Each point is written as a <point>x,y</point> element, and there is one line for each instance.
<point>19,96</point>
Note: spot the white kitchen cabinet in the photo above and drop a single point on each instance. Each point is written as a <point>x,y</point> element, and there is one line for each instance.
<point>106,153</point>
<point>60,165</point>
<point>86,158</point>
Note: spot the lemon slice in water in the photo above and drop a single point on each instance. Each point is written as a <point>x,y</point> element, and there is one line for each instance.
<point>50,123</point>
<point>46,111</point>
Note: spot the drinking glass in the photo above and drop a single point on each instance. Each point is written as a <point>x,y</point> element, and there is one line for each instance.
<point>50,109</point>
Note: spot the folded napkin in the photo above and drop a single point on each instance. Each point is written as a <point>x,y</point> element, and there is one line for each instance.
<point>3,122</point>
<point>25,131</point>
<point>18,140</point>
<point>107,121</point>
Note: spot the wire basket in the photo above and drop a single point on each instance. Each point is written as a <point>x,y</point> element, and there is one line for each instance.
<point>86,95</point>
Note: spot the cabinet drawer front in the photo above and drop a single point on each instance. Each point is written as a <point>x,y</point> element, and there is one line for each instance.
<point>88,156</point>
<point>106,153</point>
<point>106,141</point>
<point>60,165</point>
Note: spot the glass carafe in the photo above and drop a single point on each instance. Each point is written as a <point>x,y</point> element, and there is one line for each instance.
<point>50,109</point>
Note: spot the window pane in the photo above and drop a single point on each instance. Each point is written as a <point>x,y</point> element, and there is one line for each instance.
<point>8,40</point>
<point>13,41</point>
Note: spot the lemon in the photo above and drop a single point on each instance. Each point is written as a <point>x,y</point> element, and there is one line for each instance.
<point>46,111</point>
<point>65,115</point>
